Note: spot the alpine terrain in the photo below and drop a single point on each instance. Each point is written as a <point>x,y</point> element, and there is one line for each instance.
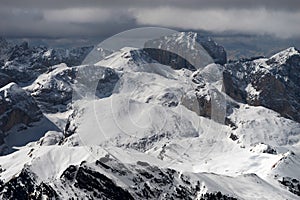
<point>171,120</point>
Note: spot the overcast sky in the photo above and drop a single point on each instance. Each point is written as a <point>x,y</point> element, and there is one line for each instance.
<point>102,18</point>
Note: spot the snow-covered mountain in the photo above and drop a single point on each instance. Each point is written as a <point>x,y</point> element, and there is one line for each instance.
<point>136,125</point>
<point>271,82</point>
<point>24,63</point>
<point>186,49</point>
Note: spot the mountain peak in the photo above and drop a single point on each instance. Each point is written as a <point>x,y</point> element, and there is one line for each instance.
<point>126,55</point>
<point>288,52</point>
<point>198,50</point>
<point>284,55</point>
<point>24,45</point>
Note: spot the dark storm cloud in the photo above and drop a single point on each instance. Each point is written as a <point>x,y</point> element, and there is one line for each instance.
<point>68,22</point>
<point>271,4</point>
<point>100,18</point>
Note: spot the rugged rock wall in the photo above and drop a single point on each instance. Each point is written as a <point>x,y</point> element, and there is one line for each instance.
<point>186,50</point>
<point>273,83</point>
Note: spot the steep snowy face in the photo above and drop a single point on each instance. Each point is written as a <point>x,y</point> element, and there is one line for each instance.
<point>16,108</point>
<point>253,125</point>
<point>136,60</point>
<point>188,50</point>
<point>284,56</point>
<point>273,83</point>
<point>128,59</point>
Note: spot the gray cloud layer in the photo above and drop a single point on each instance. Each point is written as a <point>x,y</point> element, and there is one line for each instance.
<point>101,18</point>
<point>48,4</point>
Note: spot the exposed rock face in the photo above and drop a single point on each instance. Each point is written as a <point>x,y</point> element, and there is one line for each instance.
<point>186,50</point>
<point>292,184</point>
<point>25,186</point>
<point>216,51</point>
<point>54,90</point>
<point>16,107</point>
<point>206,100</point>
<point>24,63</point>
<point>216,196</point>
<point>210,103</point>
<point>273,83</point>
<point>168,58</point>
<point>47,57</point>
<point>94,181</point>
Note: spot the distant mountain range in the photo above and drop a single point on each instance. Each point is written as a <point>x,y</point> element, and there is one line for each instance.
<point>237,45</point>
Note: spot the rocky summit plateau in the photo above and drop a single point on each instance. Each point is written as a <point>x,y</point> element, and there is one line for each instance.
<point>172,120</point>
